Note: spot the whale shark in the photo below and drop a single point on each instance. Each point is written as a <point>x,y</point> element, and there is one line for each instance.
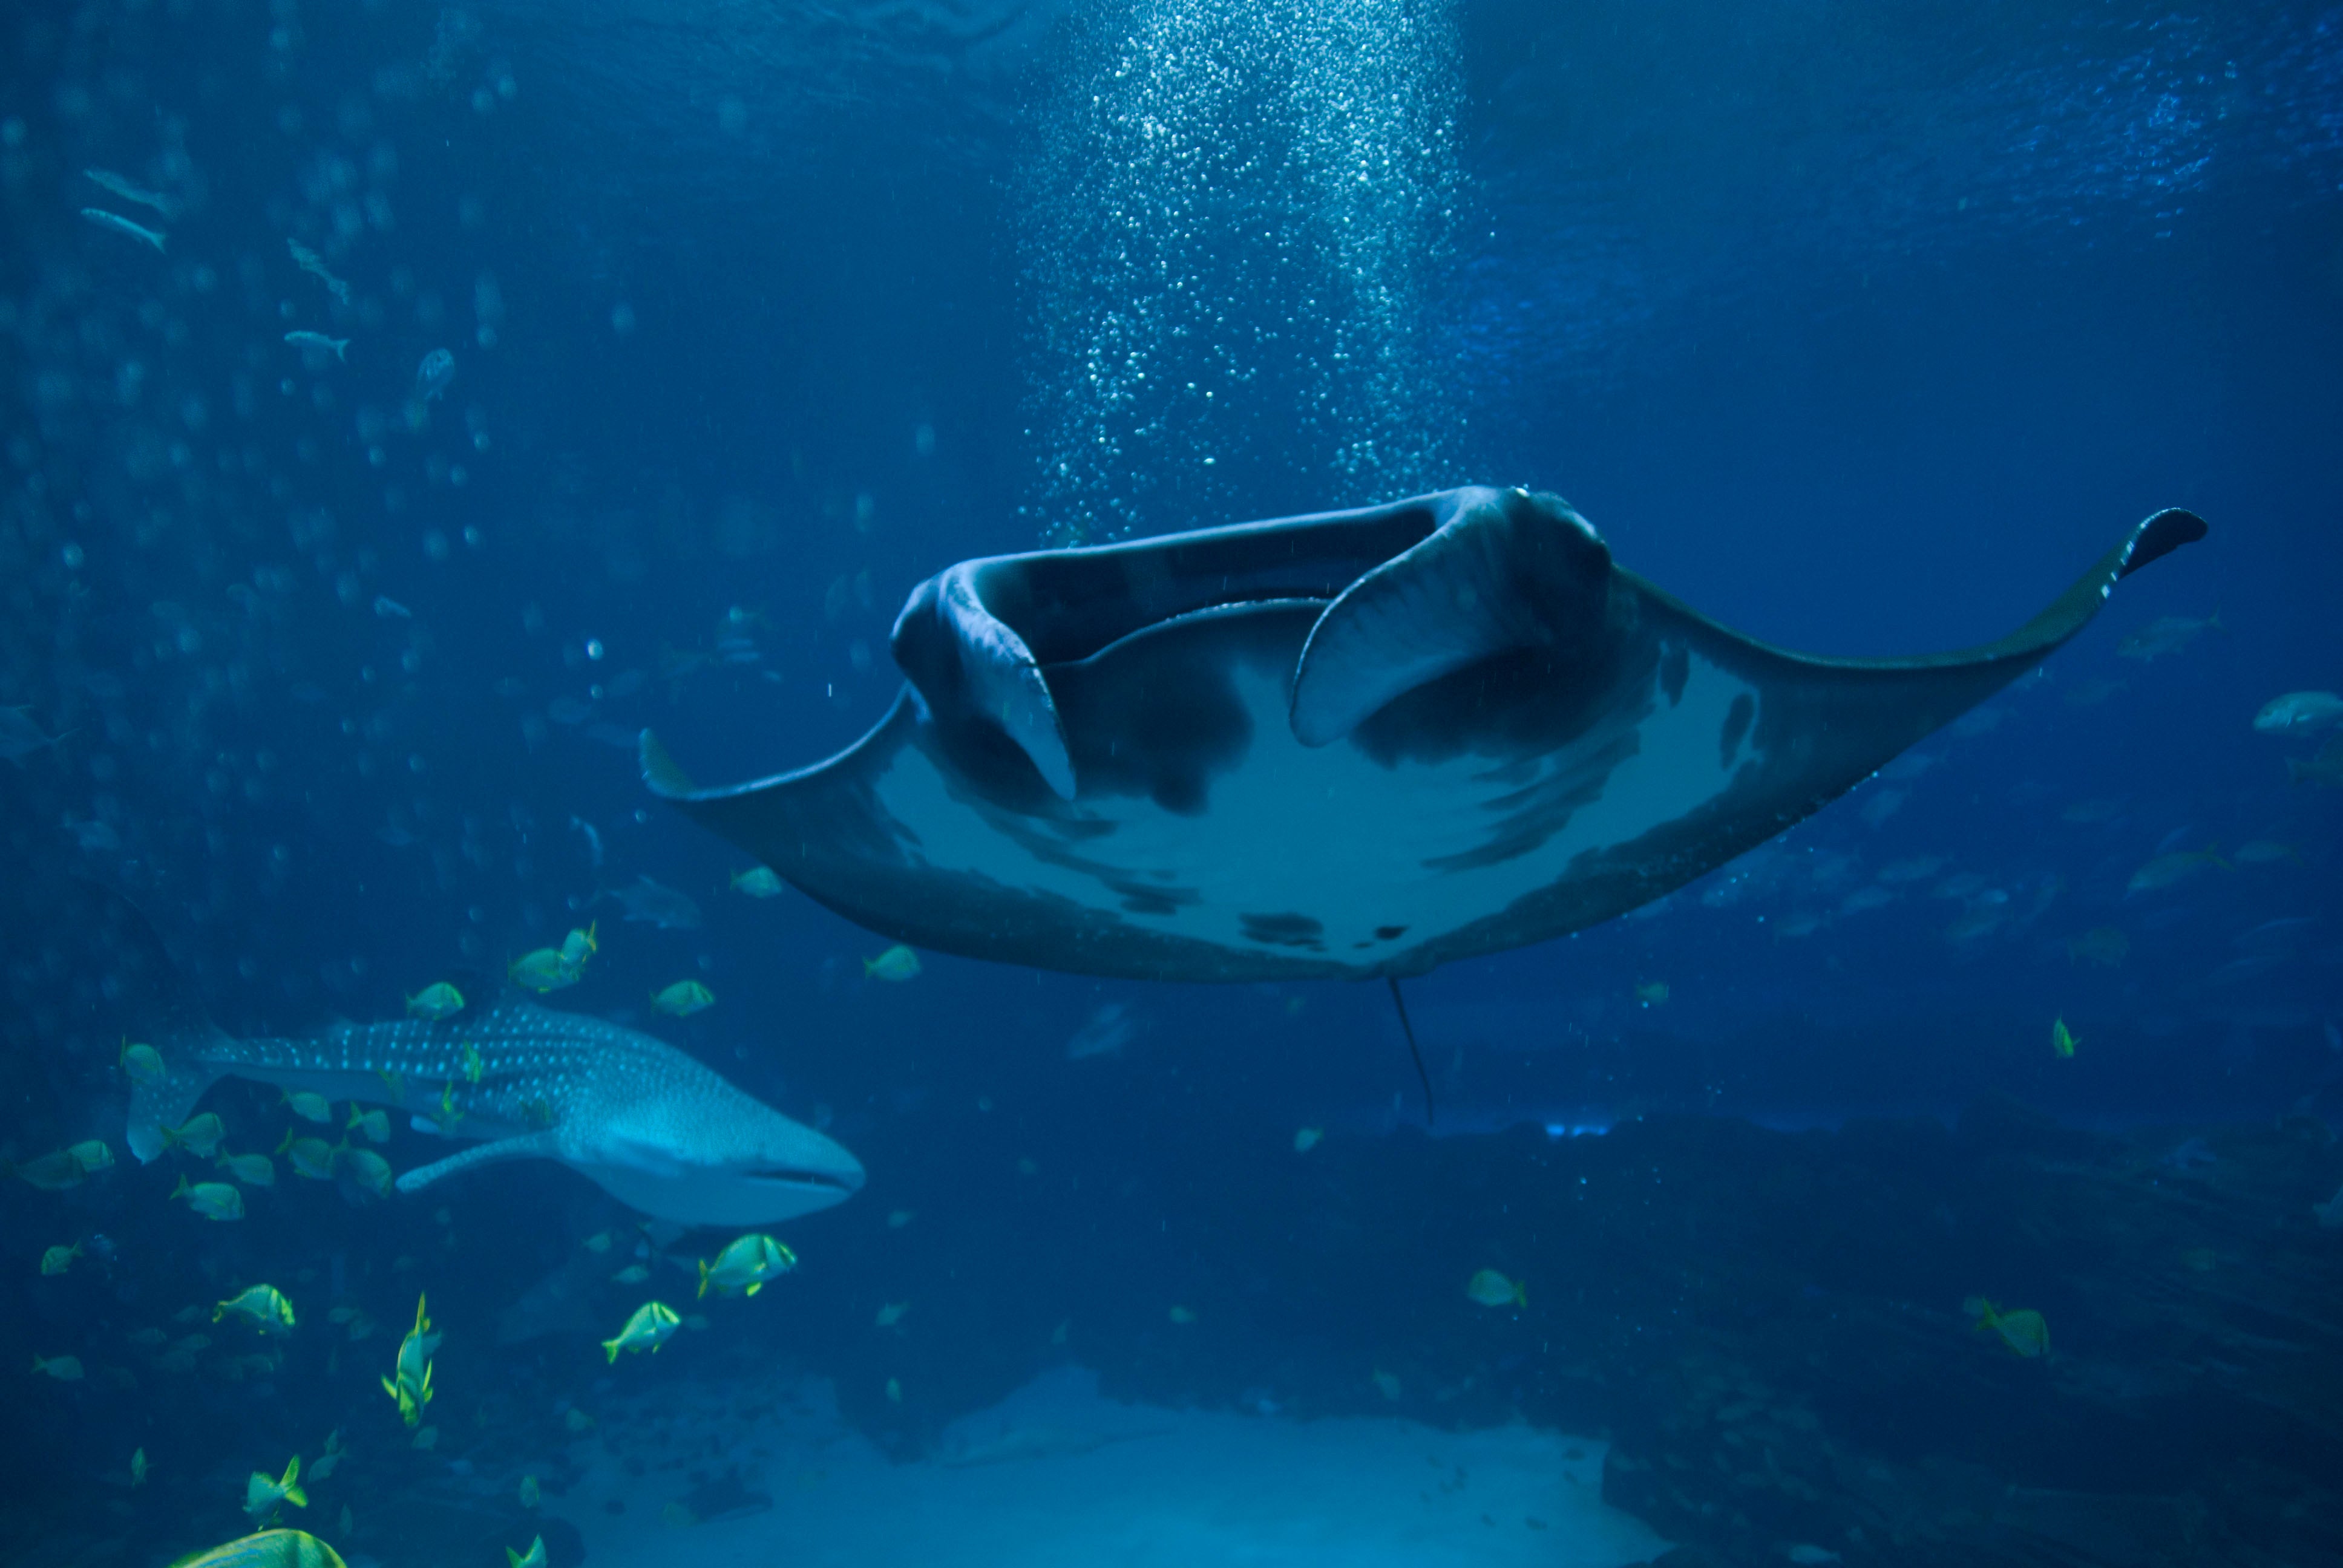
<point>647,1123</point>
<point>1354,744</point>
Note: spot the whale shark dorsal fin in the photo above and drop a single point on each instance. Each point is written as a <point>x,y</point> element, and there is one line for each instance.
<point>543,1145</point>
<point>1505,569</point>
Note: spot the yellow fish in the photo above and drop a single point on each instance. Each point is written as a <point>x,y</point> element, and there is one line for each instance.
<point>646,1331</point>
<point>1306,1139</point>
<point>144,1064</point>
<point>374,1124</point>
<point>261,1495</point>
<point>683,999</point>
<point>632,1274</point>
<point>746,1264</point>
<point>198,1135</point>
<point>331,1460</point>
<point>758,883</point>
<point>310,1106</point>
<point>252,1170</point>
<point>138,1467</point>
<point>436,1001</point>
<point>579,946</point>
<point>368,1169</point>
<point>310,1157</point>
<point>2178,866</point>
<point>212,1200</point>
<point>2062,1039</point>
<point>269,1549</point>
<point>412,1389</point>
<point>53,1173</point>
<point>531,1494</point>
<point>57,1260</point>
<point>92,1155</point>
<point>542,970</point>
<point>2023,1331</point>
<point>474,1068</point>
<point>898,963</point>
<point>266,1305</point>
<point>1492,1289</point>
<point>532,1558</point>
<point>64,1369</point>
<point>891,1314</point>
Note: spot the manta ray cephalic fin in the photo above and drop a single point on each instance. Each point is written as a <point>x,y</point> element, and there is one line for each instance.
<point>960,655</point>
<point>1505,569</point>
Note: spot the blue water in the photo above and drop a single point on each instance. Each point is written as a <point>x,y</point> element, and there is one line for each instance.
<point>1863,331</point>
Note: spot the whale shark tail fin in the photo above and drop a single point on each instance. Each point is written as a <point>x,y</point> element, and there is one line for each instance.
<point>165,1099</point>
<point>142,996</point>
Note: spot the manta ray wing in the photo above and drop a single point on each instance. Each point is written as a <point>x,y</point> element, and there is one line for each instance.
<point>1341,746</point>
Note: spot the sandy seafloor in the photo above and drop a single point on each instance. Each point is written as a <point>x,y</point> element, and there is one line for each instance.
<point>1056,1474</point>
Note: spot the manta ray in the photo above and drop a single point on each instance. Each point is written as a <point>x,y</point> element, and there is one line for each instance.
<point>1351,745</point>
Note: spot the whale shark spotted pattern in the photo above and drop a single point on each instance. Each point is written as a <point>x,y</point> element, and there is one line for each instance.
<point>1347,745</point>
<point>651,1126</point>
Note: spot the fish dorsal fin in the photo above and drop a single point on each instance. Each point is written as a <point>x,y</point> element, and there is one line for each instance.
<point>1505,569</point>
<point>967,662</point>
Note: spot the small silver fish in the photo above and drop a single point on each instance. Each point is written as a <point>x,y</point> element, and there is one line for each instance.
<point>307,340</point>
<point>310,261</point>
<point>431,377</point>
<point>120,225</point>
<point>116,184</point>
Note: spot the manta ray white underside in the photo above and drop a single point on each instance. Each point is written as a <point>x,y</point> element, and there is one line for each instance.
<point>1347,745</point>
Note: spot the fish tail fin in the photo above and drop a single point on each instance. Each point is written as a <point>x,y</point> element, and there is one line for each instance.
<point>1521,1294</point>
<point>159,1105</point>
<point>611,1347</point>
<point>297,1497</point>
<point>703,1279</point>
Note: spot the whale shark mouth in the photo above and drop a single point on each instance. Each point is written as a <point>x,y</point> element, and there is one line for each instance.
<point>814,1180</point>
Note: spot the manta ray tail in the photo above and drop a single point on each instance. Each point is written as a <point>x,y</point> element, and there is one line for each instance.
<point>1408,1029</point>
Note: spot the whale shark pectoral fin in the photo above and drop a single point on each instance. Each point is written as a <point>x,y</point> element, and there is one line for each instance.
<point>1505,569</point>
<point>967,662</point>
<point>545,1145</point>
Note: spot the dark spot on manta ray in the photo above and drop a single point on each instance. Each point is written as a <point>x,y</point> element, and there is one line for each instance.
<point>1285,930</point>
<point>1736,727</point>
<point>1159,713</point>
<point>1675,669</point>
<point>1525,703</point>
<point>1390,933</point>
